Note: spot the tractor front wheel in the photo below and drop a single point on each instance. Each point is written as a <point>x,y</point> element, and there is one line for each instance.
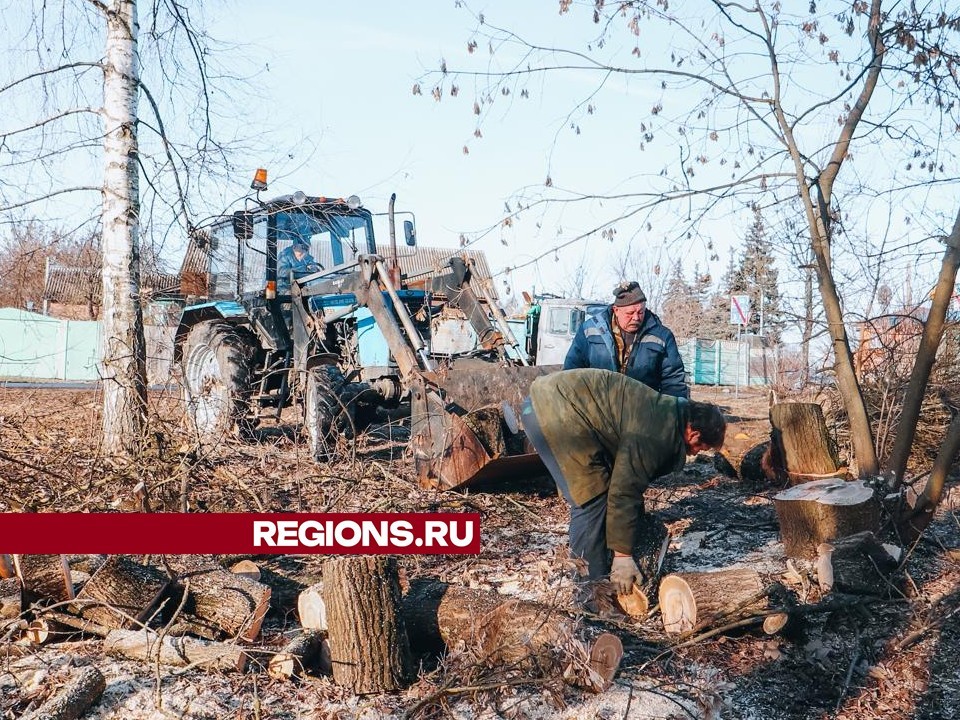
<point>217,359</point>
<point>324,413</point>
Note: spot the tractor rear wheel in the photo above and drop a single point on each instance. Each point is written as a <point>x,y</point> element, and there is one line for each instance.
<point>324,413</point>
<point>217,358</point>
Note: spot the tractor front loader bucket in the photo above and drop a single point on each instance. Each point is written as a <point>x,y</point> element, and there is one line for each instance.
<point>463,419</point>
<point>469,431</point>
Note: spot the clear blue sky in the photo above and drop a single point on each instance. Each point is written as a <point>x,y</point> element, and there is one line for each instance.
<point>336,91</point>
<point>329,109</point>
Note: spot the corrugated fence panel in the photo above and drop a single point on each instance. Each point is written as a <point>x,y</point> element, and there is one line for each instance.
<point>31,345</point>
<point>37,347</point>
<point>726,362</point>
<point>81,349</point>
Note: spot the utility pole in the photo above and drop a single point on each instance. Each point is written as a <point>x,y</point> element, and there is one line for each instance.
<point>761,313</point>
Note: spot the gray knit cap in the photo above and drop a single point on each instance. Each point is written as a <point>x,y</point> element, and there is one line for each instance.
<point>628,293</point>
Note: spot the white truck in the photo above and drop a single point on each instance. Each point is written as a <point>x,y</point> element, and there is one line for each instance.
<point>550,324</point>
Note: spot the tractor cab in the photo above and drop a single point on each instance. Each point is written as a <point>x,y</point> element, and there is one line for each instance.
<point>291,303</point>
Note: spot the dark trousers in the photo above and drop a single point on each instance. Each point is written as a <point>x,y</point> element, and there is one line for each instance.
<point>588,522</point>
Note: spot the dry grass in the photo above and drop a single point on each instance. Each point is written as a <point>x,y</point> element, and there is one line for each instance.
<point>844,663</point>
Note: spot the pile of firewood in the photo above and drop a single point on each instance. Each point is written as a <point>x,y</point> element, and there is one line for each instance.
<point>355,625</point>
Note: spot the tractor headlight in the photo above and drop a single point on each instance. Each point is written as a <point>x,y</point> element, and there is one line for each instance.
<point>353,202</point>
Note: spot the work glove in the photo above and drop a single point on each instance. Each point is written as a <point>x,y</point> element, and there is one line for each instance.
<point>624,573</point>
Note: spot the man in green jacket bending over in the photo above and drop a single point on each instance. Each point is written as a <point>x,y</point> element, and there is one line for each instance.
<point>604,436</point>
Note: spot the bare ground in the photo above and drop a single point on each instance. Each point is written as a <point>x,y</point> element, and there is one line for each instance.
<point>860,658</point>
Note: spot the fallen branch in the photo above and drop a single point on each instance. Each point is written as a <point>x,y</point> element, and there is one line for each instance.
<point>835,602</point>
<point>147,645</point>
<point>448,690</point>
<point>87,627</point>
<point>915,635</point>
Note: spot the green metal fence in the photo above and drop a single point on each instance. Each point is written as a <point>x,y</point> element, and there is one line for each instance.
<point>728,362</point>
<point>38,347</point>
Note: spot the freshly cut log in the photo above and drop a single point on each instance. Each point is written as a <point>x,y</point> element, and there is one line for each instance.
<point>147,645</point>
<point>368,641</point>
<point>76,697</point>
<point>695,600</point>
<point>605,656</point>
<point>42,631</point>
<point>822,511</point>
<point>233,603</point>
<point>121,593</point>
<point>772,624</point>
<point>6,567</point>
<point>441,616</point>
<point>801,445</point>
<point>10,598</point>
<point>311,608</point>
<point>649,550</point>
<point>247,568</point>
<point>306,651</point>
<point>857,564</point>
<point>45,578</point>
<point>635,604</point>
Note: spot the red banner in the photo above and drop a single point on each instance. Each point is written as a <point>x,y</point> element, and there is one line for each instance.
<point>240,533</point>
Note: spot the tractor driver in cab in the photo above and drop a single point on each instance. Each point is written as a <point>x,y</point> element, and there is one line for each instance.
<point>294,261</point>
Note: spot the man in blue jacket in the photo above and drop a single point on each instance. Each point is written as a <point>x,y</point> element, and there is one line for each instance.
<point>295,261</point>
<point>629,339</point>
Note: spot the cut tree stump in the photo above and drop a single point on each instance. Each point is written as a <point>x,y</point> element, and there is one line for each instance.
<point>504,631</point>
<point>45,578</point>
<point>822,511</point>
<point>857,564</point>
<point>801,445</point>
<point>772,624</point>
<point>121,593</point>
<point>10,598</point>
<point>76,697</point>
<point>311,608</point>
<point>219,600</point>
<point>699,600</point>
<point>148,646</point>
<point>368,642</point>
<point>304,652</point>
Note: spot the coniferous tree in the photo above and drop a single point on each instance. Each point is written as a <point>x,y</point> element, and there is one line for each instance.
<point>681,310</point>
<point>756,277</point>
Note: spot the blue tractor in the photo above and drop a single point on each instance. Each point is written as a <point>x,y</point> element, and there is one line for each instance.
<point>340,333</point>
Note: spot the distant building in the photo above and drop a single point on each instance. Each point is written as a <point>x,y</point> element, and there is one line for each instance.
<point>889,343</point>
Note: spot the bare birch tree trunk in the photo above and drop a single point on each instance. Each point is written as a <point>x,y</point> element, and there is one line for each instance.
<point>124,349</point>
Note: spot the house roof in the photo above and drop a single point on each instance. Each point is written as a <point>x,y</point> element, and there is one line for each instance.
<point>66,284</point>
